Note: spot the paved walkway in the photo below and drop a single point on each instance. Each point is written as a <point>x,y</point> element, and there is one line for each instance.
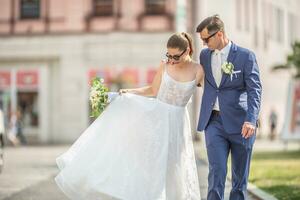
<point>29,171</point>
<point>276,145</point>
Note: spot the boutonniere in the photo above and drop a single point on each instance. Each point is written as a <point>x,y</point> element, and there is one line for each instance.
<point>228,68</point>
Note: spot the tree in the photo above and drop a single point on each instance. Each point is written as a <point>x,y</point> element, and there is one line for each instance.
<point>292,61</point>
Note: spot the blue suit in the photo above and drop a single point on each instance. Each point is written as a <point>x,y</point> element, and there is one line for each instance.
<point>239,101</point>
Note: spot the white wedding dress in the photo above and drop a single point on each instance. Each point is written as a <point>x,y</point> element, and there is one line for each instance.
<point>138,149</point>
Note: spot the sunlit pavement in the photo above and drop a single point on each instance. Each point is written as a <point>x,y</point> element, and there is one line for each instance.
<point>29,171</point>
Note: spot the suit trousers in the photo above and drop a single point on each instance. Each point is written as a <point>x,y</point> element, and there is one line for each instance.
<point>219,144</point>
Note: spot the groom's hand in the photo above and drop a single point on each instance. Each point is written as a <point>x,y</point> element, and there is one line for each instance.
<point>248,130</point>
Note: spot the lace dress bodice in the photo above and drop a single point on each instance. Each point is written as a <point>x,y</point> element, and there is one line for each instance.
<point>175,92</point>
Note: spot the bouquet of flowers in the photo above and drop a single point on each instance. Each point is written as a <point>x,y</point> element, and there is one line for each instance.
<point>98,96</point>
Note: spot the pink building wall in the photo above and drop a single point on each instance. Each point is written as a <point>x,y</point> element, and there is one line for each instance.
<point>65,16</point>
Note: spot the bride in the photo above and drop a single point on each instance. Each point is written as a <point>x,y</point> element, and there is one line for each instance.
<point>140,148</point>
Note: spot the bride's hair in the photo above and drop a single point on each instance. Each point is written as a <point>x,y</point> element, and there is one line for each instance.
<point>181,41</point>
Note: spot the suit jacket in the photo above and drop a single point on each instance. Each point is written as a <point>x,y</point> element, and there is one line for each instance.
<point>239,95</point>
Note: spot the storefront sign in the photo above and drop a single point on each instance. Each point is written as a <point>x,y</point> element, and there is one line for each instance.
<point>5,77</point>
<point>27,79</point>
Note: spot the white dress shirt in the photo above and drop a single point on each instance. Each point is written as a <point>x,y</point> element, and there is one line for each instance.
<point>217,59</point>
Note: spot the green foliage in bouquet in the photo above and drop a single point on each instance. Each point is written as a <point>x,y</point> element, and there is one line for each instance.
<point>98,96</point>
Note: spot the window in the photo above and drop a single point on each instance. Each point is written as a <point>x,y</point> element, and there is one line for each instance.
<point>103,7</point>
<point>271,22</point>
<point>28,104</point>
<point>292,26</point>
<point>267,23</point>
<point>155,7</point>
<point>279,25</point>
<point>30,9</point>
<point>238,14</point>
<point>255,23</point>
<point>247,15</point>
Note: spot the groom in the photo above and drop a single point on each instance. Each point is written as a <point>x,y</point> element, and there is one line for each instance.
<point>229,110</point>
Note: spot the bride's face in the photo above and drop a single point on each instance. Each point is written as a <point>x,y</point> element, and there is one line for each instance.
<point>175,55</point>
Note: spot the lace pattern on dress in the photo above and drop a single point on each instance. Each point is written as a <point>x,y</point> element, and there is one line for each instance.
<point>175,92</point>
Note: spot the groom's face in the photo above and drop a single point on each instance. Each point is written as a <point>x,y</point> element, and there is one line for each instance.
<point>211,40</point>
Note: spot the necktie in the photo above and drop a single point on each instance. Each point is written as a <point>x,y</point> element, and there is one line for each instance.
<point>217,68</point>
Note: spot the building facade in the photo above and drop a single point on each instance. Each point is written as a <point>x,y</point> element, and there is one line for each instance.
<point>267,27</point>
<point>50,50</point>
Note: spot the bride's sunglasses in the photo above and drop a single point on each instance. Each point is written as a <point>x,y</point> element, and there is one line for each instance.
<point>175,57</point>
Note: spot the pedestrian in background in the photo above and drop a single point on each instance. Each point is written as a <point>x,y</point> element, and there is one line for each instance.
<point>2,127</point>
<point>2,131</point>
<point>15,134</point>
<point>273,118</point>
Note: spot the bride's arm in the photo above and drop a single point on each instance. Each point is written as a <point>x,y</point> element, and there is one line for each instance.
<point>200,75</point>
<point>150,90</point>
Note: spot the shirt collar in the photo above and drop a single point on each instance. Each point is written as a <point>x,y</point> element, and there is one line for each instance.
<point>225,50</point>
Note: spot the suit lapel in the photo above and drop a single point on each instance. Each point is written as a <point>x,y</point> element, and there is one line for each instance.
<point>209,75</point>
<point>230,58</point>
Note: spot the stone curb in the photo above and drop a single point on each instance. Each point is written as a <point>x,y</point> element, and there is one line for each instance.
<point>260,194</point>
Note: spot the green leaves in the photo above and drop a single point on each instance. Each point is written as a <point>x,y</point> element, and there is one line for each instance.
<point>98,96</point>
<point>292,61</point>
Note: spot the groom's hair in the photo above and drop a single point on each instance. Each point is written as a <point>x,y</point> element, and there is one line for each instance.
<point>212,23</point>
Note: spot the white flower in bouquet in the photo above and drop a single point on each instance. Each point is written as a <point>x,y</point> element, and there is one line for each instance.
<point>98,96</point>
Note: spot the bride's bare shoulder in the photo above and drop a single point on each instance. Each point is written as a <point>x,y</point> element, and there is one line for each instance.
<point>197,67</point>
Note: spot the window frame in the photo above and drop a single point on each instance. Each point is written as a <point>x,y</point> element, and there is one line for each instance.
<point>155,7</point>
<point>107,7</point>
<point>28,15</point>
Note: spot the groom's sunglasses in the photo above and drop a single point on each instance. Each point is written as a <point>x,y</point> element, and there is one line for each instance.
<point>175,57</point>
<point>206,40</point>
